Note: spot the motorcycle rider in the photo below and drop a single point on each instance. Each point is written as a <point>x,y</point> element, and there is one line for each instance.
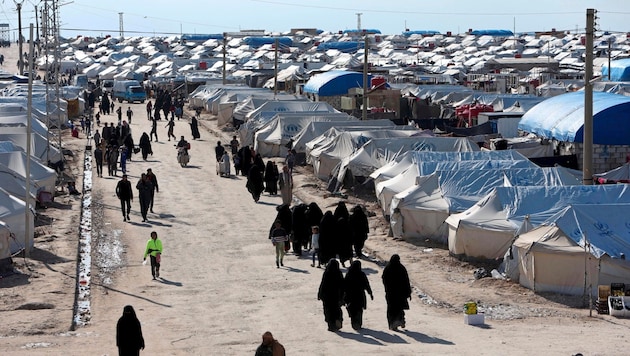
<point>183,143</point>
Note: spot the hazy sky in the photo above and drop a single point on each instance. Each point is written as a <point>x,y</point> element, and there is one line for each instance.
<point>147,17</point>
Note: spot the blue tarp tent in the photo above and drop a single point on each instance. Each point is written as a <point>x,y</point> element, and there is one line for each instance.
<point>420,32</point>
<point>350,46</point>
<point>371,31</point>
<point>619,70</point>
<point>256,42</point>
<point>562,118</point>
<point>334,82</point>
<point>201,37</point>
<point>492,33</point>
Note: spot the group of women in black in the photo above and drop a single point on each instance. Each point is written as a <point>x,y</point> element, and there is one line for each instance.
<point>335,291</point>
<point>340,234</point>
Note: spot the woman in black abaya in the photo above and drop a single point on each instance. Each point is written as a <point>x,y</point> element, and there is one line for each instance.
<point>331,294</point>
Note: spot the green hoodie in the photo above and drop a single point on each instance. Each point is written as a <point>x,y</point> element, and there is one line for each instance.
<point>153,247</point>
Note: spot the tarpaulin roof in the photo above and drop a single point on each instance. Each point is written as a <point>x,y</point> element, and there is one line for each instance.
<point>492,33</point>
<point>619,70</point>
<point>346,46</point>
<point>335,82</point>
<point>562,118</point>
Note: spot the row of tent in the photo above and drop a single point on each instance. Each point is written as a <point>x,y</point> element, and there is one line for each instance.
<point>17,198</point>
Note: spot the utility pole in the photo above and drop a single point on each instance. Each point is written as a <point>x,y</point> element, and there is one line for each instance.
<point>587,173</point>
<point>224,57</point>
<point>29,113</point>
<point>275,70</point>
<point>20,40</point>
<point>365,78</point>
<point>120,25</point>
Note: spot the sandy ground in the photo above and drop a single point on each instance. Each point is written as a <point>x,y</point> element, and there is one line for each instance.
<point>220,289</point>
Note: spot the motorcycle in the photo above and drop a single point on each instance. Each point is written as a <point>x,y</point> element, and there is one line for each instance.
<point>182,156</point>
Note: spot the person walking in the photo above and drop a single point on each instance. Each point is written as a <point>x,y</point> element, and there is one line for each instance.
<point>98,157</point>
<point>149,109</point>
<point>219,151</point>
<point>279,238</point>
<point>111,156</point>
<point>145,146</point>
<point>125,194</point>
<point>271,180</point>
<point>234,145</point>
<point>170,125</point>
<point>96,137</point>
<point>255,183</point>
<point>285,182</point>
<point>129,114</point>
<point>270,346</point>
<point>397,291</point>
<point>154,251</point>
<point>315,246</point>
<point>119,113</point>
<point>156,188</point>
<point>360,228</point>
<point>145,188</point>
<point>153,130</point>
<point>331,294</point>
<point>194,128</point>
<point>356,284</point>
<point>124,153</point>
<point>129,338</point>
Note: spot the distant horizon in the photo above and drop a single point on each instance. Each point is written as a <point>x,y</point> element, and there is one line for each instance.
<point>164,18</point>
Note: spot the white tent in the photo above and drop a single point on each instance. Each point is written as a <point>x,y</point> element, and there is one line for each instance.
<point>317,128</point>
<point>486,230</point>
<point>425,205</point>
<point>326,157</point>
<point>15,185</point>
<point>263,114</point>
<point>619,174</point>
<point>581,246</point>
<point>39,145</point>
<point>41,175</point>
<point>12,212</point>
<point>271,139</point>
<point>5,241</point>
<point>378,152</point>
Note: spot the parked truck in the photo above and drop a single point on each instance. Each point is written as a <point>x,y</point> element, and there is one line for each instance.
<point>128,90</point>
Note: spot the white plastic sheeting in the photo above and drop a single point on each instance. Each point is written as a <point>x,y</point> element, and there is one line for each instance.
<point>553,257</point>
<point>12,210</point>
<point>41,175</point>
<point>271,139</point>
<point>486,229</point>
<point>317,128</point>
<point>425,205</point>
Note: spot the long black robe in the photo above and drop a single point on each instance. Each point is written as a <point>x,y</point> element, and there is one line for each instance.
<point>331,294</point>
<point>145,145</point>
<point>194,128</point>
<point>397,291</point>
<point>129,333</point>
<point>327,238</point>
<point>301,228</point>
<point>255,183</point>
<point>343,240</point>
<point>360,228</point>
<point>356,284</point>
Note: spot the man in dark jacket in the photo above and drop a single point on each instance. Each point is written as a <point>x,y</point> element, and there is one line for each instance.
<point>156,188</point>
<point>125,194</point>
<point>145,188</point>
